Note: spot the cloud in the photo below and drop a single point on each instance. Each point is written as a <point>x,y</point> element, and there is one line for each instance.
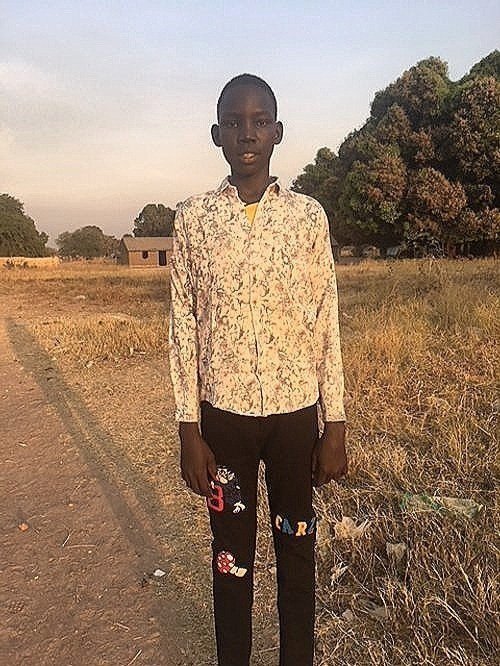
<point>26,81</point>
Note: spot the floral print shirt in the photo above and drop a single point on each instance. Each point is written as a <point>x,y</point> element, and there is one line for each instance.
<point>253,325</point>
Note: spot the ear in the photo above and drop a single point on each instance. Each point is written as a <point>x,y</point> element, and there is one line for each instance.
<point>279,132</point>
<point>215,131</point>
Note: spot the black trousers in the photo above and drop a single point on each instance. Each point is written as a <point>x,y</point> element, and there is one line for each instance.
<point>285,443</point>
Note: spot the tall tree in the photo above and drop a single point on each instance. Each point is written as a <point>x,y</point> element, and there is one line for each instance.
<point>488,66</point>
<point>435,204</point>
<point>421,92</point>
<point>472,139</point>
<point>154,220</point>
<point>18,233</point>
<point>372,197</point>
<point>322,180</point>
<point>88,242</point>
<point>426,160</point>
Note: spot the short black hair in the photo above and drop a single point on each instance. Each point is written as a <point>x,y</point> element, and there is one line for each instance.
<point>252,80</point>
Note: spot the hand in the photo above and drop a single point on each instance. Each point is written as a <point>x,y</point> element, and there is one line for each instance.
<point>329,459</point>
<point>198,464</point>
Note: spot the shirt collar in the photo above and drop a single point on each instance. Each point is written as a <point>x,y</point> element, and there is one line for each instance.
<point>276,185</point>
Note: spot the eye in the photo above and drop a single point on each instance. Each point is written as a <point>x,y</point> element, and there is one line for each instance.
<point>230,123</point>
<point>263,122</point>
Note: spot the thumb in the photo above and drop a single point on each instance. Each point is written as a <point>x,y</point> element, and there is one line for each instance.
<point>212,467</point>
<point>314,459</point>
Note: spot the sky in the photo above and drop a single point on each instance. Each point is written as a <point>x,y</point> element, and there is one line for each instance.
<point>107,106</point>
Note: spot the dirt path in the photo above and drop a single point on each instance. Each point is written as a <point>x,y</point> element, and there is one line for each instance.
<point>75,585</point>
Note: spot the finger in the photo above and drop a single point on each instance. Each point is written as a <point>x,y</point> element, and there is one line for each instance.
<point>314,479</point>
<point>314,462</point>
<point>203,484</point>
<point>209,487</point>
<point>205,480</point>
<point>192,484</point>
<point>212,467</point>
<point>316,472</point>
<point>342,473</point>
<point>321,477</point>
<point>196,489</point>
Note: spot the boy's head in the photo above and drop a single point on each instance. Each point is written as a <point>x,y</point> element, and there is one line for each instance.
<point>247,128</point>
<point>248,80</point>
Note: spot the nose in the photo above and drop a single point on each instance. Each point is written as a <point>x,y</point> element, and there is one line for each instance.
<point>247,131</point>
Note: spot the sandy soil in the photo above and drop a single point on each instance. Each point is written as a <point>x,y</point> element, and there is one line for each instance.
<point>78,550</point>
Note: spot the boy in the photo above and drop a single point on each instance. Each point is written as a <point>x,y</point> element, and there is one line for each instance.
<point>254,345</point>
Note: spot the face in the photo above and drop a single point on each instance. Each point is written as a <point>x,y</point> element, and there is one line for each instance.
<point>247,131</point>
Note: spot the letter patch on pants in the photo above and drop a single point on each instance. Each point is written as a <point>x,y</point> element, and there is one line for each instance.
<point>226,491</point>
<point>226,564</point>
<point>300,528</point>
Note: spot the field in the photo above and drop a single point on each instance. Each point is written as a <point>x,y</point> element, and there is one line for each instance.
<point>421,373</point>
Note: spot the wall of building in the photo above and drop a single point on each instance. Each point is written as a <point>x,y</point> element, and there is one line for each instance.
<point>136,259</point>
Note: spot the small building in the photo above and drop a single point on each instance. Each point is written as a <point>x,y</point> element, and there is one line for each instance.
<point>146,251</point>
<point>371,251</point>
<point>348,251</point>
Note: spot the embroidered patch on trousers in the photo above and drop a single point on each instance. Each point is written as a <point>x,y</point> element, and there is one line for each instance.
<point>226,491</point>
<point>298,528</point>
<point>226,564</point>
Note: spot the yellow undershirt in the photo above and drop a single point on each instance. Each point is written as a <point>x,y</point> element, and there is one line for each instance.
<point>250,210</point>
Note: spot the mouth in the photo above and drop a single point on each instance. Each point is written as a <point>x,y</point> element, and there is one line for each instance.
<point>247,156</point>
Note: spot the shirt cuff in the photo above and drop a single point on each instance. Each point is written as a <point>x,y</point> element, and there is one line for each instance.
<point>186,416</point>
<point>332,413</point>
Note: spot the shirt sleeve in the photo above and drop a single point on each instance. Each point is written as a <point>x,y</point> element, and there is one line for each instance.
<point>329,364</point>
<point>182,334</point>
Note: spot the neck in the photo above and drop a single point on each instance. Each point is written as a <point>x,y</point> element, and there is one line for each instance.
<point>251,188</point>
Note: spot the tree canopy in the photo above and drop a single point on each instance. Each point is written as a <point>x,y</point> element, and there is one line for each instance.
<point>88,242</point>
<point>18,233</point>
<point>427,160</point>
<point>154,220</point>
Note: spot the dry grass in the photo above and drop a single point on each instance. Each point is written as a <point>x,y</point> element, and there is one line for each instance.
<point>99,337</point>
<point>421,371</point>
<point>102,287</point>
<point>29,262</point>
